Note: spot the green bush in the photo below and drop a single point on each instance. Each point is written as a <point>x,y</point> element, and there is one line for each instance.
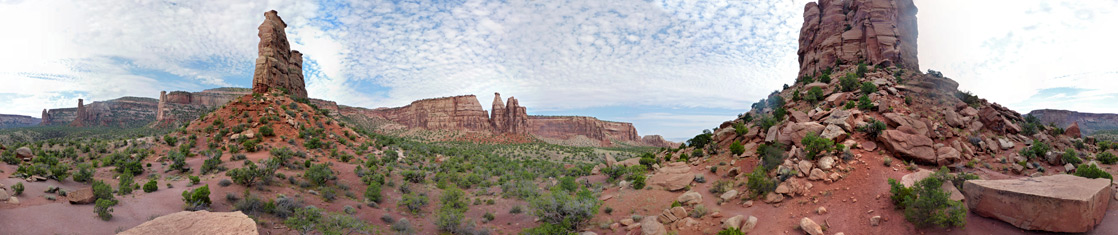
<point>103,209</point>
<point>1070,156</point>
<point>737,148</point>
<point>125,185</point>
<point>814,95</point>
<point>101,190</point>
<point>701,140</point>
<point>413,202</point>
<point>266,131</point>
<point>84,173</point>
<point>304,219</point>
<point>864,103</point>
<point>197,199</point>
<point>968,98</point>
<point>730,231</point>
<point>151,186</point>
<point>194,180</point>
<point>759,183</point>
<point>569,211</point>
<point>450,215</point>
<point>926,204</point>
<point>246,175</point>
<point>1036,150</point>
<point>17,189</point>
<point>825,77</point>
<point>1092,171</point>
<point>637,179</point>
<point>170,140</point>
<point>1106,158</point>
<point>319,174</point>
<point>815,145</point>
<point>740,129</point>
<point>373,192</point>
<point>771,155</point>
<point>849,82</point>
<point>868,88</point>
<point>862,69</point>
<point>873,128</point>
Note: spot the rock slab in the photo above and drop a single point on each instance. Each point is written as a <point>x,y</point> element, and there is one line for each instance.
<point>1056,203</point>
<point>197,222</point>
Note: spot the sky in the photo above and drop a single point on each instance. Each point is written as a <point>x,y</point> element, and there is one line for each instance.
<point>672,68</point>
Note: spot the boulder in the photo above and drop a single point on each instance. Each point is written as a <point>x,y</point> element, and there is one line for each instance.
<point>915,147</point>
<point>81,196</point>
<point>817,174</point>
<point>690,198</point>
<point>774,198</point>
<point>946,155</point>
<point>1055,203</point>
<point>1005,144</point>
<point>810,227</point>
<point>197,222</point>
<point>795,132</point>
<point>649,226</point>
<point>1073,130</point>
<point>826,163</point>
<point>729,195</point>
<point>907,124</point>
<point>804,166</point>
<point>833,132</point>
<point>673,177</point>
<point>24,153</point>
<point>4,195</point>
<point>610,161</point>
<point>740,223</point>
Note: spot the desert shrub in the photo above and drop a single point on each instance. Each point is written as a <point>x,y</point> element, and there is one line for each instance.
<point>721,186</point>
<point>1070,156</point>
<point>647,160</point>
<point>17,189</point>
<point>864,103</point>
<point>194,180</point>
<point>815,145</point>
<point>740,128</point>
<point>868,88</point>
<point>566,209</point>
<point>125,185</point>
<point>413,202</point>
<point>59,171</point>
<point>319,174</point>
<point>815,94</point>
<point>701,140</point>
<point>170,140</point>
<point>698,212</point>
<point>103,209</point>
<point>373,192</point>
<point>101,190</point>
<point>151,186</point>
<point>637,179</point>
<point>926,204</point>
<point>250,145</point>
<point>402,226</point>
<point>304,219</point>
<point>873,128</point>
<point>335,223</point>
<point>759,183</point>
<point>1106,158</point>
<point>197,199</point>
<point>449,216</point>
<point>849,82</point>
<point>825,77</point>
<point>266,131</point>
<point>730,231</point>
<point>516,209</point>
<point>285,206</point>
<point>737,148</point>
<point>968,98</point>
<point>246,175</point>
<point>765,122</point>
<point>771,155</point>
<point>414,176</point>
<point>862,69</point>
<point>1092,171</point>
<point>1036,150</point>
<point>250,204</point>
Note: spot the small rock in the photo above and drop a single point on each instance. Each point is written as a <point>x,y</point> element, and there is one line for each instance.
<point>627,221</point>
<point>690,198</point>
<point>4,195</point>
<point>13,200</point>
<point>876,220</point>
<point>749,224</point>
<point>817,174</point>
<point>649,226</point>
<point>615,226</point>
<point>733,222</point>
<point>1069,168</point>
<point>810,227</point>
<point>750,203</point>
<point>826,163</point>
<point>728,195</point>
<point>821,210</point>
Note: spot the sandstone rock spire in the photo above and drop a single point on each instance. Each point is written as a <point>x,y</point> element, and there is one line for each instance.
<point>875,31</point>
<point>277,66</point>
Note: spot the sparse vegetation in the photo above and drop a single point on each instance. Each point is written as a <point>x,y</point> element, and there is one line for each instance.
<point>1106,158</point>
<point>197,199</point>
<point>1092,171</point>
<point>925,204</point>
<point>151,186</point>
<point>814,145</point>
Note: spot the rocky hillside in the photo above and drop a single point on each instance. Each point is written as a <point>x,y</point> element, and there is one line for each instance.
<point>1088,123</point>
<point>13,121</point>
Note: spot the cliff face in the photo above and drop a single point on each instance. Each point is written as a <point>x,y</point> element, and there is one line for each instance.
<point>1088,122</point>
<point>12,121</point>
<point>657,141</point>
<point>509,119</point>
<point>179,107</point>
<point>875,31</point>
<point>566,127</point>
<point>124,111</point>
<point>277,66</point>
<point>450,113</point>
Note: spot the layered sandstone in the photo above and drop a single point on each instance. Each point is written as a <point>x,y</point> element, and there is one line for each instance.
<point>13,121</point>
<point>509,119</point>
<point>1088,122</point>
<point>449,113</point>
<point>657,141</point>
<point>879,32</point>
<point>566,127</point>
<point>1055,203</point>
<point>124,111</point>
<point>178,107</point>
<point>277,66</point>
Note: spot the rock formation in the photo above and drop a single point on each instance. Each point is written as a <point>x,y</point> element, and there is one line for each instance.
<point>509,119</point>
<point>875,31</point>
<point>197,222</point>
<point>1056,203</point>
<point>124,111</point>
<point>449,113</point>
<point>566,127</point>
<point>658,141</point>
<point>1089,123</point>
<point>12,121</point>
<point>277,66</point>
<point>178,107</point>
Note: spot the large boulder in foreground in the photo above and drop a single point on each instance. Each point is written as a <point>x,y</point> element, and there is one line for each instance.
<point>912,146</point>
<point>675,176</point>
<point>197,222</point>
<point>1056,203</point>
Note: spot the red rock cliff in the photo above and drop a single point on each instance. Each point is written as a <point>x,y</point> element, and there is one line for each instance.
<point>875,31</point>
<point>10,121</point>
<point>449,113</point>
<point>566,127</point>
<point>277,66</point>
<point>509,119</point>
<point>124,111</point>
<point>1088,122</point>
<point>178,107</point>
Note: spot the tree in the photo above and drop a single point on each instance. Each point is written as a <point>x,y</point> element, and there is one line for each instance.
<point>319,174</point>
<point>246,175</point>
<point>305,219</point>
<point>454,206</point>
<point>373,192</point>
<point>565,209</point>
<point>814,95</point>
<point>737,148</point>
<point>197,199</point>
<point>103,209</point>
<point>151,186</point>
<point>701,140</point>
<point>125,186</point>
<point>815,145</point>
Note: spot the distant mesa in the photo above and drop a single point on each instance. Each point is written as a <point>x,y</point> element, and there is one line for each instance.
<point>877,32</point>
<point>277,66</point>
<point>1088,123</point>
<point>13,121</point>
<point>124,111</point>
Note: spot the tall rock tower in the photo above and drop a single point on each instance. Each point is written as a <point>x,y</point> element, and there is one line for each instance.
<point>879,32</point>
<point>508,119</point>
<point>277,66</point>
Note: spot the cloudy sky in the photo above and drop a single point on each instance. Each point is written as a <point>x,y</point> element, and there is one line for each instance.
<point>670,67</point>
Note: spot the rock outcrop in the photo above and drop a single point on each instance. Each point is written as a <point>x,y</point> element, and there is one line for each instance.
<point>177,107</point>
<point>1089,123</point>
<point>197,222</point>
<point>277,66</point>
<point>60,116</point>
<point>1055,203</point>
<point>657,141</point>
<point>566,127</point>
<point>13,121</point>
<point>124,111</point>
<point>879,32</point>
<point>509,119</point>
<point>449,113</point>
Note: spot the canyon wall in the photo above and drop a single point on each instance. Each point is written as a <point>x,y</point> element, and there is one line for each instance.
<point>124,111</point>
<point>277,66</point>
<point>566,127</point>
<point>1088,122</point>
<point>448,113</point>
<point>13,121</point>
<point>879,32</point>
<point>177,107</point>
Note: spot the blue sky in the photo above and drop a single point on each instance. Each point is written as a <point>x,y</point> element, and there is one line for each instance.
<point>670,67</point>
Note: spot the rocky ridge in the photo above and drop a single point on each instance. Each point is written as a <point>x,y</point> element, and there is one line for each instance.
<point>13,121</point>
